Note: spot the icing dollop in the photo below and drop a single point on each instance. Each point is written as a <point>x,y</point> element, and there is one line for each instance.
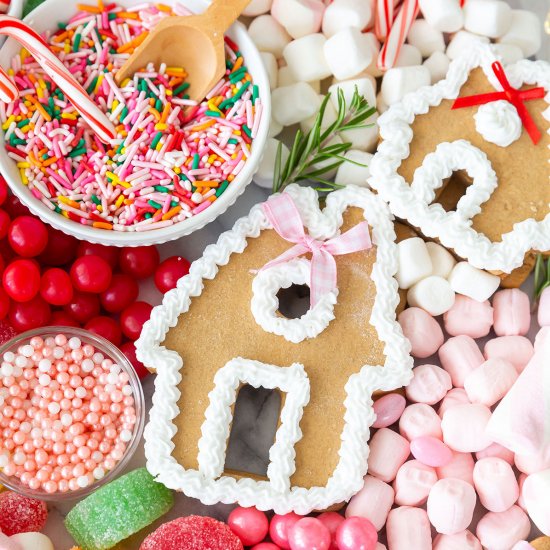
<point>498,122</point>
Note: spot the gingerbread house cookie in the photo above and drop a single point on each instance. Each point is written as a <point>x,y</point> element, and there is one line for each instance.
<point>221,329</point>
<point>466,160</point>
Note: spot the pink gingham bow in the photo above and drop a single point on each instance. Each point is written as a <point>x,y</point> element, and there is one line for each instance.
<point>287,222</point>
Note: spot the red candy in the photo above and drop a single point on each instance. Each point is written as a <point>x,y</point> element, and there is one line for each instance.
<point>28,236</point>
<point>170,271</point>
<point>133,317</point>
<point>4,223</point>
<point>19,514</point>
<point>62,319</point>
<point>106,327</point>
<point>56,287</point>
<point>331,520</point>
<point>3,190</point>
<point>6,332</point>
<point>309,534</point>
<point>356,533</point>
<point>91,274</point>
<point>83,307</point>
<point>28,315</point>
<point>60,250</point>
<point>21,280</point>
<point>129,349</point>
<point>192,533</point>
<point>108,253</point>
<point>279,527</point>
<point>249,524</point>
<point>4,303</point>
<point>122,292</point>
<point>139,262</point>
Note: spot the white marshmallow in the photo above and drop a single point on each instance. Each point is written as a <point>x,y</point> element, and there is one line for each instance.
<point>473,282</point>
<point>305,58</point>
<point>32,541</point>
<point>373,69</point>
<point>364,139</point>
<point>408,56</point>
<point>443,15</point>
<point>363,86</point>
<point>525,32</point>
<point>414,262</point>
<point>351,174</point>
<point>257,7</point>
<point>347,53</point>
<point>381,104</point>
<point>294,103</point>
<point>271,68</point>
<point>285,77</point>
<point>399,81</point>
<point>299,17</point>
<point>508,53</point>
<point>427,39</point>
<point>489,18</point>
<point>438,65</point>
<point>328,118</point>
<point>442,260</point>
<point>432,294</point>
<point>461,41</point>
<point>346,13</point>
<point>269,35</point>
<point>264,176</point>
<point>274,128</point>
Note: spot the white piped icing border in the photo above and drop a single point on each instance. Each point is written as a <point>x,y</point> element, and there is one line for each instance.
<point>454,229</point>
<point>396,372</point>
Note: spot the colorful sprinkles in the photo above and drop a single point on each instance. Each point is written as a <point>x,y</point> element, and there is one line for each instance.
<point>172,157</point>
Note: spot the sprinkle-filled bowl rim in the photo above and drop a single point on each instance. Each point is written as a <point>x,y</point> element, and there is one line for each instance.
<point>45,17</point>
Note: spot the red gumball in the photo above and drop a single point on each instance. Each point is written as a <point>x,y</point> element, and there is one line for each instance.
<point>108,253</point>
<point>140,261</point>
<point>169,272</point>
<point>91,274</point>
<point>331,520</point>
<point>15,207</point>
<point>279,527</point>
<point>62,319</point>
<point>133,318</point>
<point>122,292</point>
<point>56,287</point>
<point>3,190</point>
<point>249,524</point>
<point>28,236</point>
<point>5,221</point>
<point>309,534</point>
<point>21,280</point>
<point>83,306</point>
<point>19,514</point>
<point>129,349</point>
<point>4,303</point>
<point>60,250</point>
<point>28,315</point>
<point>356,533</point>
<point>106,327</point>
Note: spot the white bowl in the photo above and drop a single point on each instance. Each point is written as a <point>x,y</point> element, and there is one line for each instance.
<point>46,16</point>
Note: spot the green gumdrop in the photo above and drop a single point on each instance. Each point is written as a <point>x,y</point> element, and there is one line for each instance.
<point>118,510</point>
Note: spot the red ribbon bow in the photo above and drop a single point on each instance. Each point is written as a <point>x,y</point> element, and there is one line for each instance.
<point>515,97</point>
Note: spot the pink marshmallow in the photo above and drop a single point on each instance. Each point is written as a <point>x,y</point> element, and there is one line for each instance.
<point>456,396</point>
<point>533,463</point>
<point>459,356</point>
<point>431,451</point>
<point>543,315</point>
<point>498,451</point>
<point>536,496</point>
<point>540,338</point>
<point>501,530</point>
<point>469,317</point>
<point>388,409</point>
<point>420,419</point>
<point>496,484</point>
<point>490,382</point>
<point>521,480</point>
<point>413,483</point>
<point>422,331</point>
<point>516,349</point>
<point>408,528</point>
<point>373,502</point>
<point>464,427</point>
<point>428,385</point>
<point>460,467</point>
<point>459,541</point>
<point>451,504</point>
<point>388,451</point>
<point>512,312</point>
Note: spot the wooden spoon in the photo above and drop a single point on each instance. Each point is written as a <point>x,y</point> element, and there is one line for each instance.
<point>193,42</point>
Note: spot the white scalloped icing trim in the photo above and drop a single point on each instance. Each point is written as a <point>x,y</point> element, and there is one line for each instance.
<point>347,477</point>
<point>455,231</point>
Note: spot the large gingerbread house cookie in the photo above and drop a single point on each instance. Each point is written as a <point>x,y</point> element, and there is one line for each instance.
<point>221,329</point>
<point>466,160</point>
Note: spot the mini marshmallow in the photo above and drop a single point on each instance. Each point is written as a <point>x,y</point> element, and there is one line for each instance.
<point>438,65</point>
<point>341,14</point>
<point>473,282</point>
<point>347,53</point>
<point>525,32</point>
<point>428,385</point>
<point>451,504</point>
<point>388,451</point>
<point>257,7</point>
<point>461,467</point>
<point>456,396</point>
<point>459,356</point>
<point>408,56</point>
<point>299,17</point>
<point>269,35</point>
<point>364,139</point>
<point>496,451</point>
<point>419,420</point>
<point>373,501</point>
<point>6,543</point>
<point>274,128</point>
<point>413,483</point>
<point>476,417</point>
<point>399,81</point>
<point>496,484</point>
<point>381,106</point>
<point>363,85</point>
<point>533,463</point>
<point>541,337</point>
<point>469,317</point>
<point>414,262</point>
<point>516,349</point>
<point>305,58</point>
<point>512,312</point>
<point>508,53</point>
<point>500,530</point>
<point>443,15</point>
<point>491,19</point>
<point>543,315</point>
<point>442,260</point>
<point>408,528</point>
<point>536,496</point>
<point>459,541</point>
<point>350,173</point>
<point>490,382</point>
<point>294,103</point>
<point>422,331</point>
<point>462,41</point>
<point>426,38</point>
<point>328,118</point>
<point>32,541</point>
<point>264,176</point>
<point>433,294</point>
<point>271,68</point>
<point>285,77</point>
<point>373,69</point>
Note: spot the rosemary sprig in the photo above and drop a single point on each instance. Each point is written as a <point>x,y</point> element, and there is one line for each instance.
<point>542,275</point>
<point>312,155</point>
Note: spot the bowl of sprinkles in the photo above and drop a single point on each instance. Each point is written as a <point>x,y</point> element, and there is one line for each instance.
<point>173,166</point>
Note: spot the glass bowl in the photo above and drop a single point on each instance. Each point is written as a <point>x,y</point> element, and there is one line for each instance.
<point>109,351</point>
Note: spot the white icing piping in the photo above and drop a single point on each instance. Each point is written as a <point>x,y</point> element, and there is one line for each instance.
<point>499,123</point>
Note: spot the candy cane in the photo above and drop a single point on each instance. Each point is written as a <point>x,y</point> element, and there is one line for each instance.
<point>383,20</point>
<point>4,6</point>
<point>53,67</point>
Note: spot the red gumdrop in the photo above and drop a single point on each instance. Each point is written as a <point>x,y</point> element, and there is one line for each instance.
<point>28,315</point>
<point>129,349</point>
<point>192,533</point>
<point>15,207</point>
<point>56,287</point>
<point>279,527</point>
<point>122,292</point>
<point>108,253</point>
<point>5,221</point>
<point>83,306</point>
<point>19,514</point>
<point>62,319</point>
<point>3,190</point>
<point>106,327</point>
<point>169,272</point>
<point>140,261</point>
<point>133,318</point>
<point>331,520</point>
<point>356,533</point>
<point>21,280</point>
<point>60,250</point>
<point>28,236</point>
<point>249,524</point>
<point>91,274</point>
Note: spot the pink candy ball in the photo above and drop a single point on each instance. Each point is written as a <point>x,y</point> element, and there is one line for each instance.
<point>356,534</point>
<point>431,451</point>
<point>388,409</point>
<point>279,528</point>
<point>265,546</point>
<point>249,524</point>
<point>309,534</point>
<point>331,520</point>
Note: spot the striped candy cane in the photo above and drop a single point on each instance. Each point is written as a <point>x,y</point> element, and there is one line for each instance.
<point>53,67</point>
<point>384,12</point>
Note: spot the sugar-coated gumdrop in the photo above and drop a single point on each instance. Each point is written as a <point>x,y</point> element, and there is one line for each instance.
<point>19,514</point>
<point>249,524</point>
<point>192,533</point>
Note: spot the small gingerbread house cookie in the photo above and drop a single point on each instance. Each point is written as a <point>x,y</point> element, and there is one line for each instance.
<point>466,160</point>
<point>221,329</point>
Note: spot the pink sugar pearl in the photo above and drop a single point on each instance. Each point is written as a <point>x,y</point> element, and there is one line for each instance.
<point>356,533</point>
<point>249,524</point>
<point>279,527</point>
<point>309,534</point>
<point>331,520</point>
